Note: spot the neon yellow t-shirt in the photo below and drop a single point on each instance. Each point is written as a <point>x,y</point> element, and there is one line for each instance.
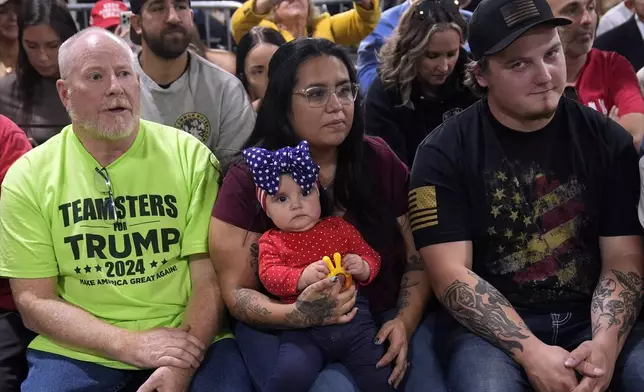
<point>132,272</point>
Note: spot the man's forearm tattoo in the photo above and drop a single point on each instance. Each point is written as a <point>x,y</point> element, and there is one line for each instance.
<point>481,309</point>
<point>310,313</point>
<point>609,309</point>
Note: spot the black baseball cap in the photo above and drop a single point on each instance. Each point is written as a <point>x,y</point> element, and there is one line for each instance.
<point>495,24</point>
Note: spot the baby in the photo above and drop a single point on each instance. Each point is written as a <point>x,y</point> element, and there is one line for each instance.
<point>291,258</point>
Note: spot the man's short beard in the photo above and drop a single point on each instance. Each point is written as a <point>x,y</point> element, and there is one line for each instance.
<point>117,131</point>
<point>163,49</point>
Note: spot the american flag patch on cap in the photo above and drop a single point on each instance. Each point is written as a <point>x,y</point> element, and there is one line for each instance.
<point>519,11</point>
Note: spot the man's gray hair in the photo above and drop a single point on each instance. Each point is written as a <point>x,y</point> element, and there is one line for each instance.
<point>68,56</point>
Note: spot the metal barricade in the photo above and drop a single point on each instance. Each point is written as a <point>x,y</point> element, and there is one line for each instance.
<point>227,7</point>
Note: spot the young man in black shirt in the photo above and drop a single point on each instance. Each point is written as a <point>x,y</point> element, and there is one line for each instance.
<point>524,208</point>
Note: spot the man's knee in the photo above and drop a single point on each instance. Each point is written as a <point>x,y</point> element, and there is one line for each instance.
<point>473,364</point>
<point>629,369</point>
<point>51,372</point>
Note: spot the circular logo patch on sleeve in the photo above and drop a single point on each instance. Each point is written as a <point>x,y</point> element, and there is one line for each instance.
<point>195,124</point>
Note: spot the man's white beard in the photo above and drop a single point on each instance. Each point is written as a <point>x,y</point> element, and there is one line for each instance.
<point>117,130</point>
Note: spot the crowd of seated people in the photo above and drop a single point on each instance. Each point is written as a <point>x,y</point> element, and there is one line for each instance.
<point>460,210</point>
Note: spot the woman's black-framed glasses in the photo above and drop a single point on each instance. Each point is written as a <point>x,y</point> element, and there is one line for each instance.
<point>318,96</point>
<point>109,211</point>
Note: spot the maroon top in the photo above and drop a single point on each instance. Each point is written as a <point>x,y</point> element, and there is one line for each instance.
<point>13,143</point>
<point>237,205</point>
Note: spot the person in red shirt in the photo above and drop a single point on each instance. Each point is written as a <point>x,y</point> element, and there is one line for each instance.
<point>291,259</point>
<point>604,81</point>
<point>14,337</point>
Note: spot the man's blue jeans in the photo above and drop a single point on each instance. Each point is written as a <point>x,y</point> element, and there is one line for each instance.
<point>260,350</point>
<point>473,364</point>
<point>222,370</point>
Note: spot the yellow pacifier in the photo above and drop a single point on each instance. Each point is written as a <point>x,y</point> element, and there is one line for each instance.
<point>336,269</point>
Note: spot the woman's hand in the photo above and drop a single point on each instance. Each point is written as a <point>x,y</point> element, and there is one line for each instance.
<point>323,303</point>
<point>394,331</point>
<point>263,7</point>
<point>366,4</point>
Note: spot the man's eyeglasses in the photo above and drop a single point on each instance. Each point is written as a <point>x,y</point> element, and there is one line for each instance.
<point>104,185</point>
<point>319,96</point>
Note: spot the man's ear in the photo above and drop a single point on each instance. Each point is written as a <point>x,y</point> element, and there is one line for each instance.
<point>480,76</point>
<point>629,4</point>
<point>135,22</point>
<point>63,92</point>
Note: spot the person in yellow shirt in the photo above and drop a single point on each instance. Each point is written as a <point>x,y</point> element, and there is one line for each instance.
<point>299,18</point>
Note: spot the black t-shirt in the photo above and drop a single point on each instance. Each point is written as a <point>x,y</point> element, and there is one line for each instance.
<point>533,204</point>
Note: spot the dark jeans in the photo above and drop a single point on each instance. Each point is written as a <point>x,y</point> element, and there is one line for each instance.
<point>302,354</point>
<point>473,364</point>
<point>14,338</point>
<point>260,349</point>
<point>222,370</point>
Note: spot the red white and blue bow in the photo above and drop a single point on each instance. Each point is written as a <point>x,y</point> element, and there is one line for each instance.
<point>267,166</point>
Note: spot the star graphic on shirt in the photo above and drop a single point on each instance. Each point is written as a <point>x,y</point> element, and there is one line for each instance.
<point>508,234</point>
<point>491,230</point>
<point>514,215</point>
<point>164,261</point>
<point>499,194</point>
<point>535,237</point>
<point>500,249</point>
<point>78,270</point>
<point>496,211</point>
<point>517,198</point>
<point>527,221</point>
<point>523,237</point>
<point>501,176</point>
<point>153,264</point>
<point>88,269</point>
<point>98,268</point>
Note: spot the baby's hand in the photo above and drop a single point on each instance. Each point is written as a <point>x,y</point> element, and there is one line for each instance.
<point>356,267</point>
<point>313,273</point>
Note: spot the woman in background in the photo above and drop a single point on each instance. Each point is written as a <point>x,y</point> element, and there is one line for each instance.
<point>299,18</point>
<point>254,52</point>
<point>29,96</point>
<point>420,82</point>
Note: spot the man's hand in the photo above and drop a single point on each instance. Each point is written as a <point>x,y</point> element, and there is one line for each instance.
<point>394,331</point>
<point>323,303</point>
<point>168,379</point>
<point>164,347</point>
<point>596,364</point>
<point>614,114</point>
<point>313,273</point>
<point>545,370</point>
<point>355,266</point>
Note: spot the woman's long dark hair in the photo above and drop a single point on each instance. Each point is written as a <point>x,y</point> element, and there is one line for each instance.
<point>32,13</point>
<point>355,187</point>
<point>254,37</point>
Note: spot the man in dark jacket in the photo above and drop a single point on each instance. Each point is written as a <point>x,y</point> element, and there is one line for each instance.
<point>627,39</point>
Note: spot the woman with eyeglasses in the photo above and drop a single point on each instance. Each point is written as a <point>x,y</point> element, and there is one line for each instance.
<point>29,96</point>
<point>420,82</point>
<point>300,18</point>
<point>312,95</point>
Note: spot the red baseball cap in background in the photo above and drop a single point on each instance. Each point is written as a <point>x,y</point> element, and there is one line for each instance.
<point>107,13</point>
